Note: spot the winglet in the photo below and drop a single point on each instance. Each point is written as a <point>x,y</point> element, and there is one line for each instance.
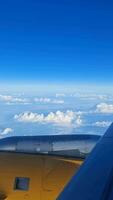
<point>93,180</point>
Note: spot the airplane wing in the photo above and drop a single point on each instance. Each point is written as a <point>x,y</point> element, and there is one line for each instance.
<point>94,180</point>
<point>62,145</point>
<point>39,167</point>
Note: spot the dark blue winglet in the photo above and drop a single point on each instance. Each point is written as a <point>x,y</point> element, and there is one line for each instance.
<point>94,180</point>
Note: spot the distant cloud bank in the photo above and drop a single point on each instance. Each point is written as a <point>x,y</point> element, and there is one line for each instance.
<point>9,100</point>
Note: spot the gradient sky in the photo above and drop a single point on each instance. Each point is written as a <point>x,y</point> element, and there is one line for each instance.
<point>56,41</point>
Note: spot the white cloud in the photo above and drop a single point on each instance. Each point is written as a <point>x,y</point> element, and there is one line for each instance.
<point>58,101</point>
<point>11,99</point>
<point>62,118</point>
<point>104,108</point>
<point>102,124</point>
<point>90,96</point>
<point>19,100</point>
<point>6,131</point>
<point>42,100</point>
<point>5,98</point>
<point>60,95</point>
<point>48,100</point>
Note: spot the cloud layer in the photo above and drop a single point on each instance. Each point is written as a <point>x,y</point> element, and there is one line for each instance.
<point>62,118</point>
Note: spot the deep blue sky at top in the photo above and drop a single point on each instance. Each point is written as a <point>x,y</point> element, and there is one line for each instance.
<point>56,41</point>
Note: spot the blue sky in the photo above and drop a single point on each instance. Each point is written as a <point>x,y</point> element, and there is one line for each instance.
<point>56,67</point>
<point>60,41</point>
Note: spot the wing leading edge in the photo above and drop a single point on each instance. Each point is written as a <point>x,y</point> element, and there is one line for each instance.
<point>62,145</point>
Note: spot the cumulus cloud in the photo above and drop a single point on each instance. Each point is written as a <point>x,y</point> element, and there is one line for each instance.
<point>104,108</point>
<point>62,118</point>
<point>6,131</point>
<point>102,124</point>
<point>48,100</point>
<point>11,99</point>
